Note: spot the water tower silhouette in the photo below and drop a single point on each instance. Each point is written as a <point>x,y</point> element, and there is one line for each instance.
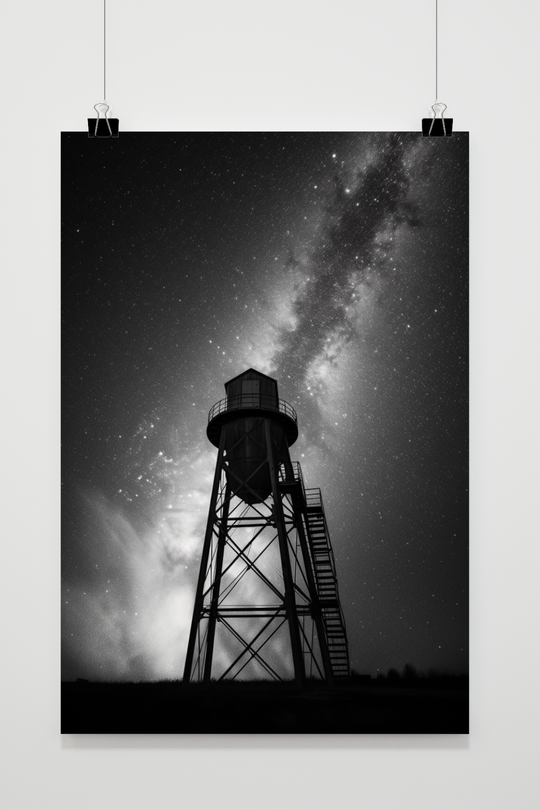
<point>267,602</point>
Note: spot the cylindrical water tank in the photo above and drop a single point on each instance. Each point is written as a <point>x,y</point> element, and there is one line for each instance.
<point>247,456</point>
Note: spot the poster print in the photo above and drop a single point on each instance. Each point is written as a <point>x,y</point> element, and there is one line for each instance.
<point>334,265</point>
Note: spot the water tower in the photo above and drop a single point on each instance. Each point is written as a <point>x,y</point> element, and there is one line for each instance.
<point>267,602</point>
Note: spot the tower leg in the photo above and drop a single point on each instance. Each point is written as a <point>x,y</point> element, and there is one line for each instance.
<point>290,598</point>
<point>222,538</point>
<point>199,594</point>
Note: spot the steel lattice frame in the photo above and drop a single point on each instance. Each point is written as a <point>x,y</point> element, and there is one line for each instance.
<point>256,590</point>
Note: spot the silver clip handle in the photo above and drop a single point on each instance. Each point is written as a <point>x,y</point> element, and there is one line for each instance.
<point>107,108</point>
<point>440,105</point>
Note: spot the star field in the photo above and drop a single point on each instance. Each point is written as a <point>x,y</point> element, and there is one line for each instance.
<point>335,262</point>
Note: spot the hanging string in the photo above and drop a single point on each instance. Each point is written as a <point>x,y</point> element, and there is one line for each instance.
<point>104,50</point>
<point>436,49</point>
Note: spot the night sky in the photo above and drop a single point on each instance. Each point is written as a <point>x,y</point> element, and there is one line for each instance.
<point>336,263</point>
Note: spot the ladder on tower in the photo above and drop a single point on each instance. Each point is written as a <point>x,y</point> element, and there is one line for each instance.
<point>326,580</point>
<point>309,501</point>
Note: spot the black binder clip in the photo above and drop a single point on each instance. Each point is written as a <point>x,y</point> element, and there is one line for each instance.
<point>437,127</point>
<point>102,127</point>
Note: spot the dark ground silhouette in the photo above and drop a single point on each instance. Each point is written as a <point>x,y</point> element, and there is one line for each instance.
<point>418,705</point>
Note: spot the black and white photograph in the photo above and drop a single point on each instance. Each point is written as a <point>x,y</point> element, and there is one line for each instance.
<point>265,433</point>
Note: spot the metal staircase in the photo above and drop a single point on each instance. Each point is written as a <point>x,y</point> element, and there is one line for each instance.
<point>325,576</point>
<point>309,501</point>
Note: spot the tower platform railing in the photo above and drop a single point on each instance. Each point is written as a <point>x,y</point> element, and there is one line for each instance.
<point>292,474</point>
<point>249,401</point>
<point>314,497</point>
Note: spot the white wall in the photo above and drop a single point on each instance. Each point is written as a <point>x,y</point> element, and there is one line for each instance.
<point>281,65</point>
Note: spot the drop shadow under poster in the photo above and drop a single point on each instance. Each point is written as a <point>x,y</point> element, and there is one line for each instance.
<point>265,433</point>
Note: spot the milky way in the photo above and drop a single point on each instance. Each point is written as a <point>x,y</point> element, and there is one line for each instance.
<point>336,263</point>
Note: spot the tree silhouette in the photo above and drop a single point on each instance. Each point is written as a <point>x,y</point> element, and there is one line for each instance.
<point>410,673</point>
